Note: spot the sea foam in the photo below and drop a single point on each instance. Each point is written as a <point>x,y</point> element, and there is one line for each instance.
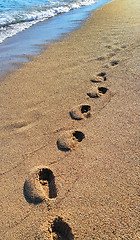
<point>14,21</point>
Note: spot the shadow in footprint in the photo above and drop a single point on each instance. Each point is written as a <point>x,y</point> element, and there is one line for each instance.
<point>36,199</point>
<point>102,90</point>
<point>69,140</point>
<point>79,136</point>
<point>60,230</point>
<point>95,81</point>
<point>80,112</point>
<point>40,185</point>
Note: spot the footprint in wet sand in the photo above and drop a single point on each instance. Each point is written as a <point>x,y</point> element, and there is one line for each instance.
<point>96,92</point>
<point>69,140</point>
<point>80,112</point>
<point>60,230</point>
<point>40,185</point>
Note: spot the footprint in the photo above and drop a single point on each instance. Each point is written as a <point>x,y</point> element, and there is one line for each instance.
<point>106,66</point>
<point>60,230</point>
<point>114,63</point>
<point>116,50</point>
<point>100,59</point>
<point>69,140</point>
<point>80,112</point>
<point>108,46</point>
<point>99,78</point>
<point>123,46</point>
<point>31,117</point>
<point>19,126</point>
<point>97,92</point>
<point>112,54</point>
<point>40,185</point>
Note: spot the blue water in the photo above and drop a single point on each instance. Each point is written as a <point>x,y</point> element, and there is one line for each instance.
<point>22,35</point>
<point>18,15</point>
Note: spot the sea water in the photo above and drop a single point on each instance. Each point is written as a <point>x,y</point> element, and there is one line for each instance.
<point>25,24</point>
<point>18,15</point>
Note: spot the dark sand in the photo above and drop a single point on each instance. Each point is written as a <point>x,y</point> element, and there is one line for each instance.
<point>92,181</point>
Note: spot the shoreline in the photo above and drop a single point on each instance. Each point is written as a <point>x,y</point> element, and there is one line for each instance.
<point>92,191</point>
<point>30,41</point>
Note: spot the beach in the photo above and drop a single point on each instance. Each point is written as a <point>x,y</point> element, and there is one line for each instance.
<point>70,134</point>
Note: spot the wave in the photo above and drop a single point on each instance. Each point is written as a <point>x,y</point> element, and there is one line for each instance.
<point>11,24</point>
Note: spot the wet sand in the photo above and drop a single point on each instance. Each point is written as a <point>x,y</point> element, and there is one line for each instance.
<point>69,134</point>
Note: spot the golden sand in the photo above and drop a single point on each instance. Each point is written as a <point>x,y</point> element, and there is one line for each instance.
<point>96,180</point>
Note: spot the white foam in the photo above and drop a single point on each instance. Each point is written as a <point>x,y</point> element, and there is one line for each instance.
<point>13,24</point>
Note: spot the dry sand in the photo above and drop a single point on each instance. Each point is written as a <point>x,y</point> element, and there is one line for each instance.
<point>89,189</point>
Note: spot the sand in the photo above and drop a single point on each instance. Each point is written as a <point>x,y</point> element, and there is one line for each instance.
<point>66,170</point>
